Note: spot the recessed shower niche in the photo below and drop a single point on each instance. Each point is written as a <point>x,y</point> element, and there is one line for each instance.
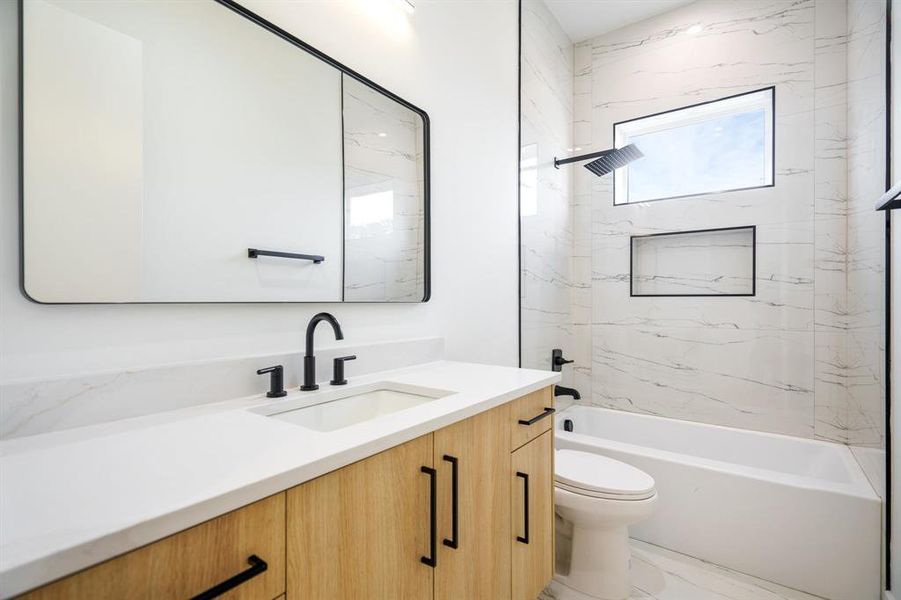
<point>709,262</point>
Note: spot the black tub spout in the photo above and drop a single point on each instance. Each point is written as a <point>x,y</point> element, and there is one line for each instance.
<point>560,390</point>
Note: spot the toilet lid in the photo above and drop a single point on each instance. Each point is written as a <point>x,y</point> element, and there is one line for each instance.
<point>595,475</point>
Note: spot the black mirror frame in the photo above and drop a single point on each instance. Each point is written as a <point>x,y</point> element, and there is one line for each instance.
<point>278,31</point>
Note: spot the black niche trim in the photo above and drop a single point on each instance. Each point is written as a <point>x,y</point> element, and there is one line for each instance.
<point>753,292</point>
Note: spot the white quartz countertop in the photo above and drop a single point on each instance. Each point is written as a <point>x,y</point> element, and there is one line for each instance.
<point>74,498</point>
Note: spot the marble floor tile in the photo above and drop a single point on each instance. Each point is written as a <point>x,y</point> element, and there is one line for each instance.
<point>661,574</point>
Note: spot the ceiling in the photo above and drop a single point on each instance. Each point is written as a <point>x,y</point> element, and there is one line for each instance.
<point>585,19</point>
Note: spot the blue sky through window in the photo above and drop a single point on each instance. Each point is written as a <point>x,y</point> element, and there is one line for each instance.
<point>719,154</point>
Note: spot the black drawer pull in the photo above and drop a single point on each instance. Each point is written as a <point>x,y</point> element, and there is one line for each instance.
<point>547,412</point>
<point>525,506</point>
<point>432,559</point>
<point>257,566</point>
<point>455,514</point>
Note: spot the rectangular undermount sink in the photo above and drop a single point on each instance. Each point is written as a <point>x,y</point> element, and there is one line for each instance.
<point>340,409</point>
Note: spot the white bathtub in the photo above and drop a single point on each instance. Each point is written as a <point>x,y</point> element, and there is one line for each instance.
<point>794,511</point>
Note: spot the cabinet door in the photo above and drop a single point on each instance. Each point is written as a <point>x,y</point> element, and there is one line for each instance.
<point>193,561</point>
<point>533,517</point>
<point>360,532</point>
<point>474,550</point>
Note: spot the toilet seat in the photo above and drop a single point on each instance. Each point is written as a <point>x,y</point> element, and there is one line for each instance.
<point>596,476</point>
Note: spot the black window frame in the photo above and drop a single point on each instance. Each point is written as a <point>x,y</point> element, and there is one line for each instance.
<point>771,88</point>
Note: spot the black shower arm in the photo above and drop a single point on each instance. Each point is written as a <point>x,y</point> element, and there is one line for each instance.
<point>566,161</point>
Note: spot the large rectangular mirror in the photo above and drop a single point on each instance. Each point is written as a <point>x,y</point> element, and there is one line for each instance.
<point>193,152</point>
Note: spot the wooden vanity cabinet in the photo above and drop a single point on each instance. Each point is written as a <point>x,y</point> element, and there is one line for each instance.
<point>441,517</point>
<point>365,531</point>
<point>532,496</point>
<point>530,416</point>
<point>532,517</point>
<point>361,531</point>
<point>474,540</point>
<point>192,562</point>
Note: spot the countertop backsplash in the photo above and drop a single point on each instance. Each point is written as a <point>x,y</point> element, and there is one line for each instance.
<point>40,406</point>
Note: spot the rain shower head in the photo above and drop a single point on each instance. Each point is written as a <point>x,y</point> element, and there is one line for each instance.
<point>605,161</point>
<point>617,158</point>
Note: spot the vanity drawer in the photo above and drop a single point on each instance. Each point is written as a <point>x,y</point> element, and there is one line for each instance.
<point>530,416</point>
<point>192,562</point>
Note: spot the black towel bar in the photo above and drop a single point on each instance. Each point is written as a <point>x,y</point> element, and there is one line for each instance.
<point>254,252</point>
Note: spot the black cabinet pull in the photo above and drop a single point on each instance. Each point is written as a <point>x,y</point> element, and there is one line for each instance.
<point>547,412</point>
<point>525,510</point>
<point>257,566</point>
<point>455,514</point>
<point>432,559</point>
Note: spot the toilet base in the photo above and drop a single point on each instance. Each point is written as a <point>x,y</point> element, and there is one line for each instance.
<point>600,553</point>
<point>599,566</point>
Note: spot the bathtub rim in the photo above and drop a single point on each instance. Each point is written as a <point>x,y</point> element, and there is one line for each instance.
<point>860,488</point>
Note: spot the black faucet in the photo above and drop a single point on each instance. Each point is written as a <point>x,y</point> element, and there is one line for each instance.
<point>559,390</point>
<point>309,359</point>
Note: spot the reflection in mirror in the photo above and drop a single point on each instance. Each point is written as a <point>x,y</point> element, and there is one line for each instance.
<point>164,140</point>
<point>190,136</point>
<point>384,224</point>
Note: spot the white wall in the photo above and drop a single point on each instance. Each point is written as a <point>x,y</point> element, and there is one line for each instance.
<point>458,61</point>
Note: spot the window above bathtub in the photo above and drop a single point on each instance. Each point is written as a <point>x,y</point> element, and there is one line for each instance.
<point>718,146</point>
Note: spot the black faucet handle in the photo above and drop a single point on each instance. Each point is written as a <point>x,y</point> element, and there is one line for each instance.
<point>338,374</point>
<point>276,381</point>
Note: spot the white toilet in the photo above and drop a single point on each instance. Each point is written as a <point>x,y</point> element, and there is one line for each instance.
<point>601,497</point>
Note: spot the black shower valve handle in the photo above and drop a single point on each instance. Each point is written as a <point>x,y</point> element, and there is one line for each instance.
<point>557,360</point>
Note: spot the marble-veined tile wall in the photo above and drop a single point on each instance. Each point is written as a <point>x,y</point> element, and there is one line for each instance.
<point>546,192</point>
<point>384,216</point>
<point>864,370</point>
<point>830,220</point>
<point>803,356</point>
